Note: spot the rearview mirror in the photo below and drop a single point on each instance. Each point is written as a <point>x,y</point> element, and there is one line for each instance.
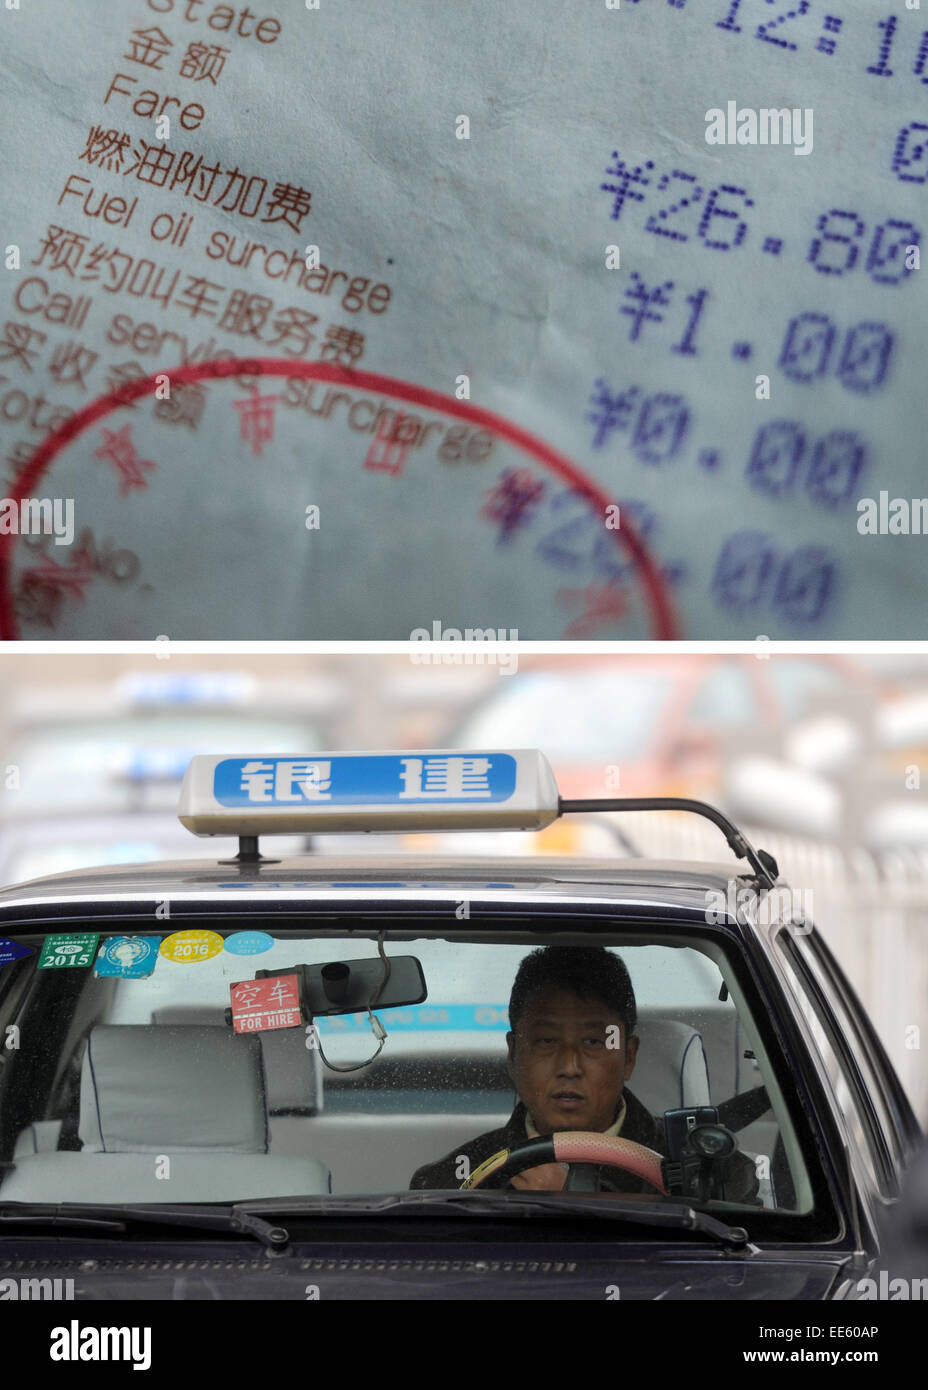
<point>350,987</point>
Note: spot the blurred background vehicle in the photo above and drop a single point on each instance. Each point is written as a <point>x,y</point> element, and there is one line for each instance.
<point>669,726</point>
<point>93,773</point>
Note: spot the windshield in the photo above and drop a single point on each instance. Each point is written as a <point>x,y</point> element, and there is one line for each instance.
<point>168,1067</point>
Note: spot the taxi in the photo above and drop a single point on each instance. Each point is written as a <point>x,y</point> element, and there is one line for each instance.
<point>388,1076</point>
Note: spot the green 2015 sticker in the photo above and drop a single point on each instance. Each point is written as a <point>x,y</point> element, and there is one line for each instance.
<point>68,950</point>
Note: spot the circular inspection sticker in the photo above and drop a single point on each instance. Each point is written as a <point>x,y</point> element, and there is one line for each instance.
<point>249,943</point>
<point>187,947</point>
<point>305,500</point>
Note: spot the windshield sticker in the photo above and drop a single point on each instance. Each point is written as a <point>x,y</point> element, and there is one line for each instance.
<point>249,943</point>
<point>258,1006</point>
<point>12,950</point>
<point>449,1018</point>
<point>127,957</point>
<point>68,950</point>
<point>188,947</point>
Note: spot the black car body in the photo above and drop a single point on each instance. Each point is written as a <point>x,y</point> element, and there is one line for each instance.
<point>844,1131</point>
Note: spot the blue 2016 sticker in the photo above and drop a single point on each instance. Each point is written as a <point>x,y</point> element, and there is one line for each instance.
<point>12,950</point>
<point>249,943</point>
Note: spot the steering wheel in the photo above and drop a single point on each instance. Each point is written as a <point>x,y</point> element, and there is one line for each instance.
<point>573,1146</point>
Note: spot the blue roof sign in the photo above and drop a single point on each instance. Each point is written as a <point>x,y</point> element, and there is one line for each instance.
<point>427,789</point>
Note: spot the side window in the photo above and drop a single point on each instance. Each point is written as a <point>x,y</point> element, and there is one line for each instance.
<point>856,1088</point>
<point>900,1129</point>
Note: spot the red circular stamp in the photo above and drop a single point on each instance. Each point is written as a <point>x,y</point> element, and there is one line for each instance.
<point>622,578</point>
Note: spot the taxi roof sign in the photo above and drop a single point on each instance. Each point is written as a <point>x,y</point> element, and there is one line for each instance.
<point>427,789</point>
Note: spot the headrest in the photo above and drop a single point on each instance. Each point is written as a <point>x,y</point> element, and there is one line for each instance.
<point>671,1070</point>
<point>292,1071</point>
<point>156,1089</point>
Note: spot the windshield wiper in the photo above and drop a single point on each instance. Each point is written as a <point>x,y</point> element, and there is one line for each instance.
<point>519,1204</point>
<point>114,1217</point>
<point>245,1217</point>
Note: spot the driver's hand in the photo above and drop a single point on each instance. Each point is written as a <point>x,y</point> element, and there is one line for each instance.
<point>548,1177</point>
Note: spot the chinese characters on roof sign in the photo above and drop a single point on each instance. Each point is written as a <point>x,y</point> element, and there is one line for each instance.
<point>364,781</point>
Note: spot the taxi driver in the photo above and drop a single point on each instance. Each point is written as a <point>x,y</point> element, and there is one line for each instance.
<point>572,1049</point>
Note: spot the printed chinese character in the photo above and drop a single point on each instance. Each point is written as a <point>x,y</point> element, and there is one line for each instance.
<point>342,343</point>
<point>294,323</point>
<point>65,249</point>
<point>242,187</point>
<point>196,297</point>
<point>106,148</point>
<point>291,204</point>
<point>149,47</point>
<point>153,164</point>
<point>312,781</point>
<point>451,778</point>
<point>279,993</point>
<point>247,993</point>
<point>246,313</point>
<point>70,363</point>
<point>101,255</point>
<point>204,61</point>
<point>15,343</point>
<point>204,175</point>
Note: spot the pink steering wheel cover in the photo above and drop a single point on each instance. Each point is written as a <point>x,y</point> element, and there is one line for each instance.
<point>589,1146</point>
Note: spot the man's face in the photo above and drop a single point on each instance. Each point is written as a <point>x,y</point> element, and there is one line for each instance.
<point>569,1061</point>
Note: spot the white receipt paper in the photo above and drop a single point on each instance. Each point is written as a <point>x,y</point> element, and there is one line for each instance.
<point>358,320</point>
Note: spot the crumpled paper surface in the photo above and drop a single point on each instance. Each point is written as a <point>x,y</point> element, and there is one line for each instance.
<point>675,497</point>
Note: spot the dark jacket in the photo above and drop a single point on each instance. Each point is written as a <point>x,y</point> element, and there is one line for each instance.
<point>639,1126</point>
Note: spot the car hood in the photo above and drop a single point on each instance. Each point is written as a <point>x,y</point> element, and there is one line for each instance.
<point>188,1270</point>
